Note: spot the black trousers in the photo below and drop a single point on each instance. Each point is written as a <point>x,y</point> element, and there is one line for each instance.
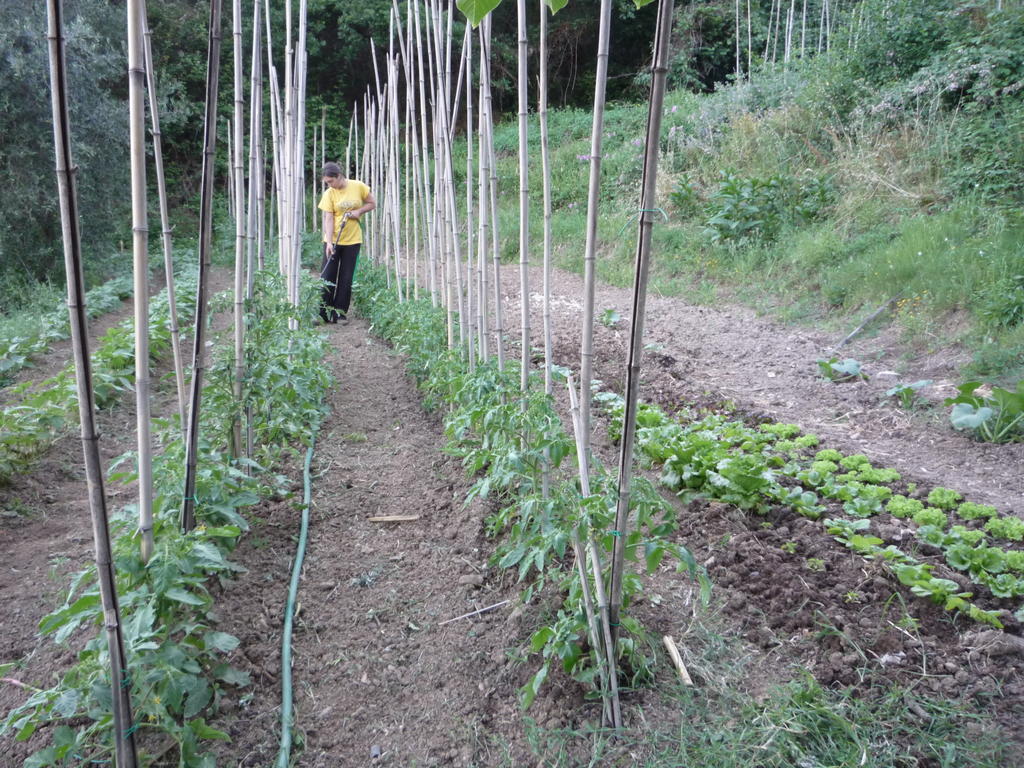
<point>338,268</point>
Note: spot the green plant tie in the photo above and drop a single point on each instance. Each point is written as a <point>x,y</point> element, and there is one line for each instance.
<point>126,681</point>
<point>615,533</point>
<point>637,213</point>
<point>131,729</point>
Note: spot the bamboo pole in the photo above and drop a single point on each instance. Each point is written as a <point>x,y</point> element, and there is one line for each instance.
<point>313,183</point>
<point>470,320</point>
<point>803,29</point>
<point>601,636</point>
<point>188,519</point>
<point>739,68</point>
<point>254,220</point>
<point>499,322</point>
<point>590,249</point>
<point>453,250</point>
<point>648,201</point>
<point>298,155</point>
<point>437,220</point>
<point>483,179</point>
<point>278,144</point>
<point>265,219</point>
<point>750,43</point>
<point>165,225</point>
<point>240,221</point>
<point>140,265</point>
<point>229,177</point>
<point>768,38</point>
<point>421,73</point>
<point>394,209</point>
<point>545,161</point>
<point>287,154</point>
<point>524,199</point>
<point>120,688</point>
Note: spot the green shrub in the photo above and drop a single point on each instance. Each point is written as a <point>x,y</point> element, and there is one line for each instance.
<point>745,207</point>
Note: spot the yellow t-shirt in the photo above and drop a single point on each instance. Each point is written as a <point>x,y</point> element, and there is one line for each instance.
<point>337,201</point>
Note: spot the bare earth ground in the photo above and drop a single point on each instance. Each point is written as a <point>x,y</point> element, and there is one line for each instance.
<point>375,668</point>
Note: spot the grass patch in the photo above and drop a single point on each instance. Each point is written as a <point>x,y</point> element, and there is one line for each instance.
<point>722,723</point>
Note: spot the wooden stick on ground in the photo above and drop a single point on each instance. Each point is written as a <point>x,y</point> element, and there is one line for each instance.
<point>474,613</point>
<point>673,651</point>
<point>867,321</point>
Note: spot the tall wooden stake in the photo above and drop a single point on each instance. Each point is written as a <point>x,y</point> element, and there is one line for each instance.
<point>648,203</point>
<point>165,225</point>
<point>590,250</point>
<point>140,262</point>
<point>120,683</point>
<point>524,199</point>
<point>240,222</point>
<point>188,507</point>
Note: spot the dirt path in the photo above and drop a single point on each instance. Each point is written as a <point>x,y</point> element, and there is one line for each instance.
<point>374,667</point>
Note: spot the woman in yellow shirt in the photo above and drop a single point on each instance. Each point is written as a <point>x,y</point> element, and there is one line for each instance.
<point>343,203</point>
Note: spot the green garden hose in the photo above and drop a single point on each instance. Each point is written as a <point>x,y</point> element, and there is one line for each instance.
<point>287,720</point>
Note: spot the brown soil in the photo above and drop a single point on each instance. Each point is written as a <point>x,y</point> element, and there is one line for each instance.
<point>375,669</point>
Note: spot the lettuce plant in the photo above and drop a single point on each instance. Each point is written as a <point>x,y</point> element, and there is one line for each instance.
<point>901,506</point>
<point>1010,528</point>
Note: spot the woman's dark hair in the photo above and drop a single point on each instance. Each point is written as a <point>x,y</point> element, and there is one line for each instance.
<point>331,169</point>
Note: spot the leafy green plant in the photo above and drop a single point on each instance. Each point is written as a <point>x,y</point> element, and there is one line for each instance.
<point>931,516</point>
<point>745,207</point>
<point>1001,304</point>
<point>610,318</point>
<point>1009,528</point>
<point>684,196</point>
<point>1015,561</point>
<point>909,395</point>
<point>901,506</point>
<point>997,418</point>
<point>838,371</point>
<point>943,498</point>
<point>971,511</point>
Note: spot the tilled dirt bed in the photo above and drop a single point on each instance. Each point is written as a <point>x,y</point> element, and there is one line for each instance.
<point>383,676</point>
